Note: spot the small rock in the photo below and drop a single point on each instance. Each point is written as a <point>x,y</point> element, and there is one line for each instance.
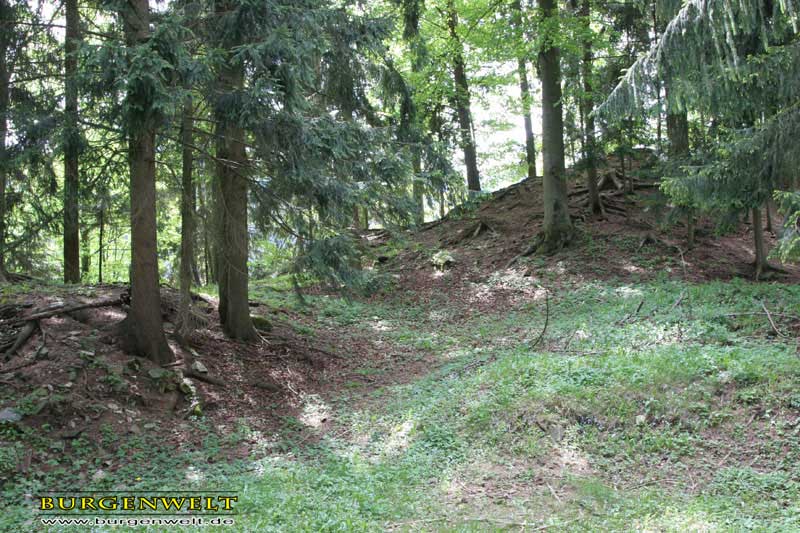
<point>99,475</point>
<point>442,259</point>
<point>199,367</point>
<point>641,420</point>
<point>10,415</point>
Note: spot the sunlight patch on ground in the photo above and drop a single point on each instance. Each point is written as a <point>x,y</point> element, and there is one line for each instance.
<point>380,325</point>
<point>676,520</point>
<point>194,475</point>
<point>455,353</point>
<point>438,316</point>
<point>315,411</point>
<point>569,457</point>
<point>628,292</point>
<point>111,314</point>
<point>400,438</point>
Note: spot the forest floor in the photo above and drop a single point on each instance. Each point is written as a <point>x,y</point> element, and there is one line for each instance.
<point>625,383</point>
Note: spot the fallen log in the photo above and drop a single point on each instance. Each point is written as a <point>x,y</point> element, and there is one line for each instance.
<point>61,310</point>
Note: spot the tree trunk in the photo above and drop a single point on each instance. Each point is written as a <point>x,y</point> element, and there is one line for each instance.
<point>204,213</point>
<point>659,101</point>
<point>525,94</point>
<point>462,99</point>
<point>530,140</point>
<point>418,191</point>
<point>6,19</point>
<point>234,309</point>
<point>86,252</point>
<point>142,330</point>
<point>678,135</point>
<point>72,272</point>
<point>761,264</point>
<point>587,105</point>
<point>768,212</point>
<point>101,247</point>
<point>557,228</point>
<point>187,219</point>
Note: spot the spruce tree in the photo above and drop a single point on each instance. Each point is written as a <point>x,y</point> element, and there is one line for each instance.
<point>232,178</point>
<point>142,331</point>
<point>71,144</point>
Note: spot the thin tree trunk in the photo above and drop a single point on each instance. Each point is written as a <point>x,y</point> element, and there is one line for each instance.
<point>234,309</point>
<point>530,140</point>
<point>462,99</point>
<point>557,228</point>
<point>143,329</point>
<point>72,265</point>
<point>101,247</point>
<point>86,252</point>
<point>206,241</point>
<point>187,219</point>
<point>418,190</point>
<point>6,19</point>
<point>525,95</point>
<point>761,264</point>
<point>590,144</point>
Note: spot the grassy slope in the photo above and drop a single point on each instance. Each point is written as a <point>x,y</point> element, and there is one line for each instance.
<point>675,418</point>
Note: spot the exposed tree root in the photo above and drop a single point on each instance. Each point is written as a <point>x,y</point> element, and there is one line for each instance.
<point>550,242</point>
<point>24,334</point>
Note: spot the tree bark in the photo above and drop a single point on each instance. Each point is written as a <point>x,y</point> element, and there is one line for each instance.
<point>525,94</point>
<point>462,99</point>
<point>234,309</point>
<point>101,246</point>
<point>187,218</point>
<point>587,108</point>
<point>557,227</point>
<point>86,253</point>
<point>417,189</point>
<point>678,135</point>
<point>6,19</point>
<point>761,264</point>
<point>207,256</point>
<point>768,213</point>
<point>530,140</point>
<point>72,272</point>
<point>143,329</point>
